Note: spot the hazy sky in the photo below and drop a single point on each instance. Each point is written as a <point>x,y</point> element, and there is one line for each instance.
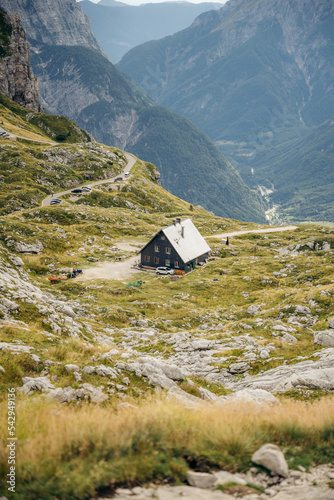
<point>138,2</point>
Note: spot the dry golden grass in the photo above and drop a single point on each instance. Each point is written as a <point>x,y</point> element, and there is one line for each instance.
<point>101,447</point>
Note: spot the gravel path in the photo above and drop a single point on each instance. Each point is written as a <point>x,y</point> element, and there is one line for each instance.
<point>131,161</point>
<point>277,229</point>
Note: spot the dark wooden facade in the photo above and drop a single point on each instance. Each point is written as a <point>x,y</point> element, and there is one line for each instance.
<point>160,252</point>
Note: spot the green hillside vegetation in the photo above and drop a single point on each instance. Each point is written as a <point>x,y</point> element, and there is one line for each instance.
<point>56,127</point>
<point>218,187</point>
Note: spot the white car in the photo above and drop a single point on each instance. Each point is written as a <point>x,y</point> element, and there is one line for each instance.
<point>164,270</point>
<point>86,189</point>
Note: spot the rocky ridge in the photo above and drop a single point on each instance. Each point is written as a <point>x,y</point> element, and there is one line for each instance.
<point>17,80</point>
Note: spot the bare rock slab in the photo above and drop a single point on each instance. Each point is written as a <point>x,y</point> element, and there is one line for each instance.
<point>271,457</point>
<point>305,493</point>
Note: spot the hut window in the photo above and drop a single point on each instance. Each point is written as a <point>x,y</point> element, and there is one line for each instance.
<point>163,237</point>
<point>156,260</point>
<point>167,262</point>
<point>168,250</point>
<point>147,258</point>
<point>176,264</point>
<point>156,248</point>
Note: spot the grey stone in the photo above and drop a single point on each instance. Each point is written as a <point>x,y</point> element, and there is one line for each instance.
<point>223,477</point>
<point>39,383</point>
<point>102,370</point>
<point>30,248</point>
<point>202,344</point>
<point>289,338</point>
<point>9,304</point>
<point>253,310</point>
<point>264,354</point>
<point>302,310</point>
<point>17,261</point>
<point>331,323</point>
<point>72,368</point>
<point>258,396</point>
<point>188,400</point>
<point>201,479</point>
<point>326,246</point>
<point>238,367</point>
<point>325,337</point>
<point>271,457</point>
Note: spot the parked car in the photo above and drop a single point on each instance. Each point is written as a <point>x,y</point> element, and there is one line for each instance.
<point>127,174</point>
<point>76,191</point>
<point>164,270</point>
<point>4,134</point>
<point>118,179</point>
<point>55,201</point>
<point>86,189</point>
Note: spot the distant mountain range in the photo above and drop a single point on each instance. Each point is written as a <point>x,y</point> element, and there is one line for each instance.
<point>78,81</point>
<point>257,76</point>
<point>120,27</point>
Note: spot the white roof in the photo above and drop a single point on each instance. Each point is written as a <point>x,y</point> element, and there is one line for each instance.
<point>189,246</point>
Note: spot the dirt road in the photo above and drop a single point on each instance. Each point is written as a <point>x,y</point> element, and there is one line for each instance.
<point>131,161</point>
<point>111,270</point>
<point>254,231</point>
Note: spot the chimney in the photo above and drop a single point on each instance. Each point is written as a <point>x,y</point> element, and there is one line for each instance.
<point>182,231</point>
<point>178,220</point>
<point>174,222</point>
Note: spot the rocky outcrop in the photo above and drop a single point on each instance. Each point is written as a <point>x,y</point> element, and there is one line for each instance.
<point>17,80</point>
<point>53,23</point>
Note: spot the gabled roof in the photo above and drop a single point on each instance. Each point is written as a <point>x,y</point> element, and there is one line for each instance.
<point>189,246</point>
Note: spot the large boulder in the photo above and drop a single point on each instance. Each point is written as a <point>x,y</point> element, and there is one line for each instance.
<point>302,310</point>
<point>253,310</point>
<point>238,367</point>
<point>201,479</point>
<point>102,370</point>
<point>39,383</point>
<point>271,457</point>
<point>256,396</point>
<point>325,337</point>
<point>68,394</point>
<point>29,248</point>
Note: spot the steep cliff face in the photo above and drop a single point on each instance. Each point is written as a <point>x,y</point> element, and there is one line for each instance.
<point>53,23</point>
<point>17,80</point>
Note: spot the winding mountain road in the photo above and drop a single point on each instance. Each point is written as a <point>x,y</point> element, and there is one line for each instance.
<point>131,161</point>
